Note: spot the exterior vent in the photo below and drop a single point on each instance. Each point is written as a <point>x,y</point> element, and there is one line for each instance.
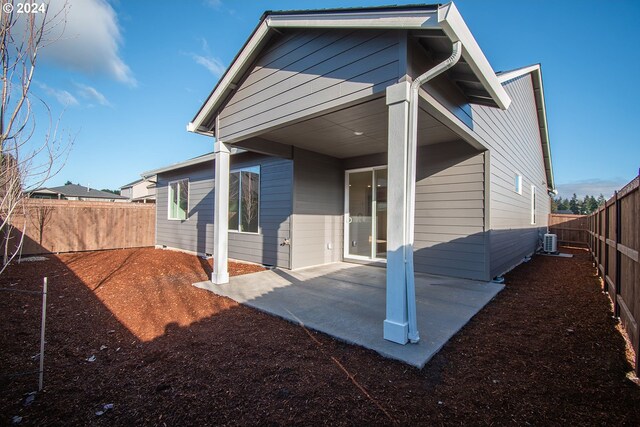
<point>550,243</point>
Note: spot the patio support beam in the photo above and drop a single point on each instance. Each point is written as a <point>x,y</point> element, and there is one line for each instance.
<point>221,214</point>
<point>396,322</point>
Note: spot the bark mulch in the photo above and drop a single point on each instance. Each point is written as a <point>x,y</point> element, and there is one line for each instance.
<point>545,351</point>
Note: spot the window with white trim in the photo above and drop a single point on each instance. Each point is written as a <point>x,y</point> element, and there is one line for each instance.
<point>533,204</point>
<point>179,199</point>
<point>244,200</point>
<point>518,184</point>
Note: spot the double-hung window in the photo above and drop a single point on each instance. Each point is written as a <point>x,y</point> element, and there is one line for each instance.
<point>244,200</point>
<point>179,199</point>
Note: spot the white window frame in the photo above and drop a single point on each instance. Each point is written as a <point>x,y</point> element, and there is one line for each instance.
<point>518,184</point>
<point>186,216</point>
<point>533,204</point>
<point>254,169</point>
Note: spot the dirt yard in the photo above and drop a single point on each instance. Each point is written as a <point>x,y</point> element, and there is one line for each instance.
<point>544,352</point>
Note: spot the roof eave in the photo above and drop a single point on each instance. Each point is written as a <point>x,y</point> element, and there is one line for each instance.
<point>536,72</point>
<point>191,162</point>
<point>456,29</point>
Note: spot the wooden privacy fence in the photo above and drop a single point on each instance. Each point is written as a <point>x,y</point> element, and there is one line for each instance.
<point>571,229</point>
<point>72,226</point>
<point>614,240</point>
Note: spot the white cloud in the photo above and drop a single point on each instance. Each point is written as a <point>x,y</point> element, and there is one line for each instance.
<point>62,96</point>
<point>208,61</point>
<point>212,64</point>
<point>591,187</point>
<point>92,94</point>
<point>214,4</point>
<point>89,40</point>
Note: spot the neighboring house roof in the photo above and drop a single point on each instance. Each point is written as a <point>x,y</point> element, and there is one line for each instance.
<point>423,20</point>
<point>194,161</point>
<point>73,190</point>
<point>131,184</point>
<point>538,89</point>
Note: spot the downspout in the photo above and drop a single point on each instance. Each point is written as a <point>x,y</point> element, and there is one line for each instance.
<point>412,143</point>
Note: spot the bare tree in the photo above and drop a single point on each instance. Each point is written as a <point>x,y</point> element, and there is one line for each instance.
<point>40,216</point>
<point>26,161</point>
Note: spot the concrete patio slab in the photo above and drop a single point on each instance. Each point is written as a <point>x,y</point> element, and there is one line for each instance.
<point>347,301</point>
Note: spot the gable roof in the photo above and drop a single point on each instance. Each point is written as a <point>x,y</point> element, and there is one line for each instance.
<point>74,190</point>
<point>208,157</point>
<point>422,19</point>
<point>538,89</point>
<point>131,184</point>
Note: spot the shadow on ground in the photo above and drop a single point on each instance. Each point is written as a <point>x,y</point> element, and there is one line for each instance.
<point>543,351</point>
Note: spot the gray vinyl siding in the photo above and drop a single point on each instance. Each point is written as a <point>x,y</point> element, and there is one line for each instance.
<point>449,218</point>
<point>195,234</point>
<point>513,138</point>
<point>318,211</point>
<point>309,71</point>
<point>449,236</point>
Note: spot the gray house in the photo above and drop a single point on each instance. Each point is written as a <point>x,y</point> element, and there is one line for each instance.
<point>372,135</point>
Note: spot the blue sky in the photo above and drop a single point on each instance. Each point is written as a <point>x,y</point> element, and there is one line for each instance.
<point>129,76</point>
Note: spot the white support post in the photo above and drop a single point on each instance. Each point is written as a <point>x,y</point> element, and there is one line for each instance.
<point>396,322</point>
<point>221,215</point>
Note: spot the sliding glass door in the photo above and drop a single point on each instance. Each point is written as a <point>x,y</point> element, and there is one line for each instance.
<point>366,213</point>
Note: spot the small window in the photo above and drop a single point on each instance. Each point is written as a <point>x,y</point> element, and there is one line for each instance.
<point>533,204</point>
<point>244,200</point>
<point>518,183</point>
<point>179,199</point>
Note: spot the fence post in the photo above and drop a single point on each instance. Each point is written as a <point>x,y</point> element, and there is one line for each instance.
<point>636,285</point>
<point>605,256</point>
<point>598,234</point>
<point>618,213</point>
<point>42,325</point>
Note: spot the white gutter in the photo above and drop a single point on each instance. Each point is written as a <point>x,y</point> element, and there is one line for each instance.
<point>412,148</point>
<point>456,29</point>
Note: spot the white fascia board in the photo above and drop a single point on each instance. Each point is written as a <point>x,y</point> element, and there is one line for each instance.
<point>400,19</point>
<point>228,78</point>
<point>202,159</point>
<point>517,73</point>
<point>536,74</point>
<point>456,29</point>
<point>197,160</point>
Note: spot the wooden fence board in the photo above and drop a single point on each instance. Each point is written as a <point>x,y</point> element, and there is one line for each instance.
<point>53,226</point>
<point>570,229</point>
<point>614,240</point>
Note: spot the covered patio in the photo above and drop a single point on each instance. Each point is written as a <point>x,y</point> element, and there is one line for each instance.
<point>342,90</point>
<point>347,302</point>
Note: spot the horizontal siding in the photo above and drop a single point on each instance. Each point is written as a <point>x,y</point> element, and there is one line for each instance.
<point>309,71</point>
<point>318,209</point>
<point>196,232</point>
<point>449,217</point>
<point>513,137</point>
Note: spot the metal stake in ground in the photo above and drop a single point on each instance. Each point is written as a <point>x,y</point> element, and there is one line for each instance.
<point>44,319</point>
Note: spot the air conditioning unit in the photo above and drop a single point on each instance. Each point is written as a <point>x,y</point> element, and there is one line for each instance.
<point>550,244</point>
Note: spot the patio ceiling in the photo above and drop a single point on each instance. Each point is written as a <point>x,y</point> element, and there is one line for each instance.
<point>355,131</point>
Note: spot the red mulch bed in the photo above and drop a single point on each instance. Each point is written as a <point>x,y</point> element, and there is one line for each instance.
<point>544,351</point>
